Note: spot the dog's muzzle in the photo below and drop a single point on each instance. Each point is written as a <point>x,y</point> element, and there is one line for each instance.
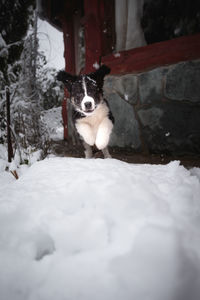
<point>87,104</point>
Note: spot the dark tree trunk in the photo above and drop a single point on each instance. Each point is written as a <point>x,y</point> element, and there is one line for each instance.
<point>9,141</point>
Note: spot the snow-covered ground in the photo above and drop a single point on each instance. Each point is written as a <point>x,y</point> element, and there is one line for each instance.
<point>76,229</point>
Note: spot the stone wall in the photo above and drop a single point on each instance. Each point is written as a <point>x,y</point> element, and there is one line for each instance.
<point>157,111</point>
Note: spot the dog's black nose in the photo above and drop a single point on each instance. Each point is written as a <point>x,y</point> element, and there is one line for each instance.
<point>88,105</point>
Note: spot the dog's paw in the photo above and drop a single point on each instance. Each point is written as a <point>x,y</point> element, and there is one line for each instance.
<point>102,140</point>
<point>88,153</point>
<point>106,153</point>
<point>103,134</point>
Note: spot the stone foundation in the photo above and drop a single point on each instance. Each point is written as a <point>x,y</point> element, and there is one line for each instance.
<point>157,111</point>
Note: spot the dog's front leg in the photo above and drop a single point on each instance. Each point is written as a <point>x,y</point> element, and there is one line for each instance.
<point>103,136</point>
<point>106,153</point>
<point>88,150</point>
<point>85,132</point>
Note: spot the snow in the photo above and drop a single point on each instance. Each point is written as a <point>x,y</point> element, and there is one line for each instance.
<point>2,42</point>
<point>96,65</point>
<point>126,97</point>
<point>52,119</point>
<point>117,54</point>
<point>3,47</point>
<point>51,43</point>
<point>100,229</point>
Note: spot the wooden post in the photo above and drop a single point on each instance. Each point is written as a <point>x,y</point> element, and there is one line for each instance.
<point>9,141</point>
<point>70,64</point>
<point>107,16</point>
<point>93,33</point>
<point>69,51</point>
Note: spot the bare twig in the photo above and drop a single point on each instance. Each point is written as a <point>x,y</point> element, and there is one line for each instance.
<point>14,173</point>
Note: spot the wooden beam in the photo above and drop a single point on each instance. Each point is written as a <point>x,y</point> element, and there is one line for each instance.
<point>154,55</point>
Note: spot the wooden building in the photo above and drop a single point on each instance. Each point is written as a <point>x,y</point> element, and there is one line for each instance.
<point>91,35</point>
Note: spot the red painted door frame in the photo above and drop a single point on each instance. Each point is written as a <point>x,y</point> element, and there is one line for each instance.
<point>93,33</point>
<point>94,12</point>
<point>70,64</point>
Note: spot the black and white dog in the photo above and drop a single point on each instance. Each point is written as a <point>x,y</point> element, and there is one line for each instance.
<point>91,114</point>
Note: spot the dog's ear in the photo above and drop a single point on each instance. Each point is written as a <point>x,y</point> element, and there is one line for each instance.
<point>66,78</point>
<point>101,72</point>
<point>99,75</point>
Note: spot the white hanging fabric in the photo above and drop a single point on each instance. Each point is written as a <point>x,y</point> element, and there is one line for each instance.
<point>129,34</point>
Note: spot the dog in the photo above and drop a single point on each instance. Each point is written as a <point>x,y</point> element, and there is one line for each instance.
<point>91,113</point>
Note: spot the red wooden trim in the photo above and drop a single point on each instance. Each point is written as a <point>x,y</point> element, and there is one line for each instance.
<point>154,55</point>
<point>69,47</point>
<point>70,64</point>
<point>93,33</point>
<point>107,15</point>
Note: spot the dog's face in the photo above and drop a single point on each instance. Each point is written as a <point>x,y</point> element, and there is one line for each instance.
<point>85,90</point>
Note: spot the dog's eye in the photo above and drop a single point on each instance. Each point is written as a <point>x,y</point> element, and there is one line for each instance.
<point>92,93</point>
<point>77,97</point>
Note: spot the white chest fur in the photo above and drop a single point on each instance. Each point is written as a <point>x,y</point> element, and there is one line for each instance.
<point>96,117</point>
<point>96,128</point>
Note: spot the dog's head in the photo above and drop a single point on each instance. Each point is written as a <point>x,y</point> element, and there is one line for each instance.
<point>85,90</point>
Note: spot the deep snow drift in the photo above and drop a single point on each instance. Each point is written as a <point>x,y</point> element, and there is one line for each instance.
<point>76,229</point>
